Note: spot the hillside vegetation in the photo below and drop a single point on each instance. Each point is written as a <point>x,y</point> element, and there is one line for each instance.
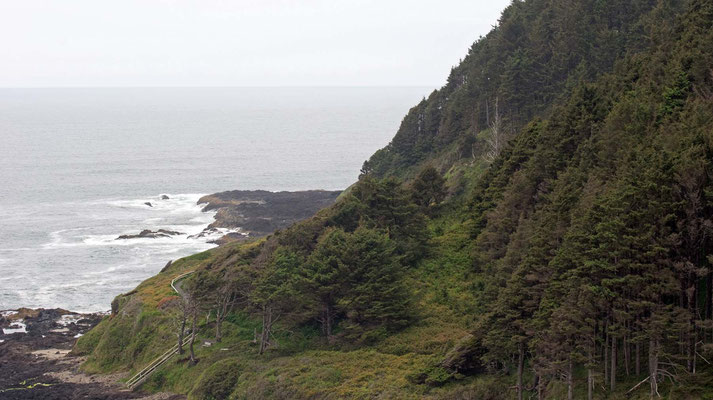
<point>538,228</point>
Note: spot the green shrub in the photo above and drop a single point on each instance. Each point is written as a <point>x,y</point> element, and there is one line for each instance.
<point>218,380</point>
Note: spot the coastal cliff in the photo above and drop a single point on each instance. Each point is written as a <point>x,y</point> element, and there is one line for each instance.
<point>538,227</point>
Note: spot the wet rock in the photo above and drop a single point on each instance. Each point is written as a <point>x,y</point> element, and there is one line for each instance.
<point>260,212</point>
<point>39,364</point>
<point>147,233</point>
<point>205,232</point>
<point>148,203</point>
<point>167,266</point>
<point>230,237</point>
<point>164,197</point>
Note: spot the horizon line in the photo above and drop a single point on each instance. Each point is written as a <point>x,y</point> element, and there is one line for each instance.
<point>218,87</point>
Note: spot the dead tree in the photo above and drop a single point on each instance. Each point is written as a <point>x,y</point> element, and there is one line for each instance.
<point>180,319</point>
<point>226,299</point>
<point>194,310</point>
<point>497,137</point>
<point>268,320</point>
<point>653,367</point>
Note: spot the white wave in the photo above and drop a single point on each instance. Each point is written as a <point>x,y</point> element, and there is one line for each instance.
<point>67,319</point>
<point>57,238</point>
<point>180,212</point>
<point>17,249</point>
<point>185,202</point>
<point>117,265</point>
<point>19,327</point>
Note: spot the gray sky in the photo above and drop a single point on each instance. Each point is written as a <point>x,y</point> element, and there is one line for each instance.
<point>237,43</point>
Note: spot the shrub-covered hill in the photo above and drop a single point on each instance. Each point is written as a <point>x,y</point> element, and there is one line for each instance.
<point>565,254</point>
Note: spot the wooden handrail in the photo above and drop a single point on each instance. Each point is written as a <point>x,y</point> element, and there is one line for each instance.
<point>136,380</point>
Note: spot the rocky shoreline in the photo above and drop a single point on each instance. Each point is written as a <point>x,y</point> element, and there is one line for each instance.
<point>37,362</point>
<point>256,213</point>
<point>36,358</point>
<point>245,214</point>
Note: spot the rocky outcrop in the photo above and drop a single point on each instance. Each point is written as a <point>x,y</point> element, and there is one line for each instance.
<point>260,212</point>
<point>147,233</point>
<point>39,363</point>
<point>230,237</point>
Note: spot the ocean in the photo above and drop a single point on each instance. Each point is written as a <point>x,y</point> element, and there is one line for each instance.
<point>77,166</point>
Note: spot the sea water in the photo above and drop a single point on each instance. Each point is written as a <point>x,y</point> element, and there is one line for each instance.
<point>78,165</point>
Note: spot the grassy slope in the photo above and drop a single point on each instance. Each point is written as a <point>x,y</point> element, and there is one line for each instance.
<point>303,365</point>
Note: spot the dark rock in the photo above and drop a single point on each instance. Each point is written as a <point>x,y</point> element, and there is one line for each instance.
<point>164,197</point>
<point>44,321</point>
<point>171,233</point>
<point>115,306</point>
<point>204,233</point>
<point>148,203</point>
<point>261,212</point>
<point>147,233</point>
<point>230,237</point>
<point>168,265</point>
<point>21,369</point>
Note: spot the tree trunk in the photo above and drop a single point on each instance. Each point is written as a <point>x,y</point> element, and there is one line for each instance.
<point>638,359</point>
<point>627,357</point>
<point>694,356</point>
<point>193,337</point>
<point>520,368</point>
<point>181,333</point>
<point>612,373</point>
<point>327,320</point>
<point>709,295</point>
<point>653,367</point>
<point>218,325</point>
<point>266,327</point>
<point>590,364</point>
<point>692,295</point>
<point>487,114</point>
<point>709,300</point>
<point>606,357</point>
<point>570,381</point>
<point>541,388</point>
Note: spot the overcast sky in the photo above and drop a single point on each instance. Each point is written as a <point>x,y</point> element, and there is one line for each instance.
<point>237,43</point>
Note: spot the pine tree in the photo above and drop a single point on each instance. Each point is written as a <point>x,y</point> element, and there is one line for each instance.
<point>429,188</point>
<point>323,277</point>
<point>375,294</point>
<point>275,291</point>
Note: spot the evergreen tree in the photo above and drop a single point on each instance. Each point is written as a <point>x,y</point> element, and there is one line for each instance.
<point>375,294</point>
<point>323,277</point>
<point>429,188</point>
<point>275,292</point>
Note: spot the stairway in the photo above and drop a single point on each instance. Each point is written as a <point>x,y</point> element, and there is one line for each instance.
<point>141,376</point>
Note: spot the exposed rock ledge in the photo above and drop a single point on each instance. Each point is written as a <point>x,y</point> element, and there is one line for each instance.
<point>36,360</point>
<point>147,233</point>
<point>260,212</point>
